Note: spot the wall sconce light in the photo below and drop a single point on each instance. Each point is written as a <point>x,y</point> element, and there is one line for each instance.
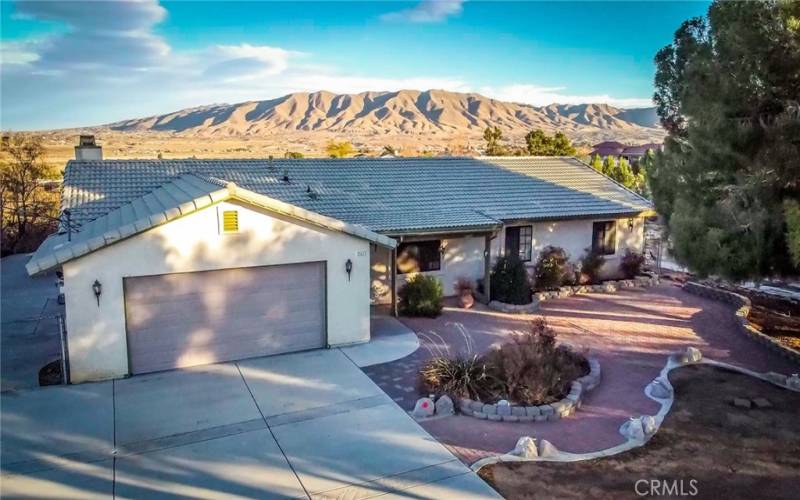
<point>348,266</point>
<point>97,288</point>
<point>630,223</point>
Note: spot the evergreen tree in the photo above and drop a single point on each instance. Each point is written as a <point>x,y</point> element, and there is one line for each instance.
<point>540,144</point>
<point>493,136</point>
<point>727,93</point>
<point>597,163</point>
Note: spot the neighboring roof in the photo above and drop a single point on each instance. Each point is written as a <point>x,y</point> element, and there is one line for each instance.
<point>386,195</point>
<point>182,196</point>
<point>642,149</point>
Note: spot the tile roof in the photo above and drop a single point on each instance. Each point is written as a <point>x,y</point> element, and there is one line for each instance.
<point>387,195</point>
<point>183,195</point>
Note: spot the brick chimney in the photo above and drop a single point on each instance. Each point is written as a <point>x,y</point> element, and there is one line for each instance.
<point>87,149</point>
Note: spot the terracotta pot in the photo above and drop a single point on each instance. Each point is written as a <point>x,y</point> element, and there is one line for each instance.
<point>466,299</point>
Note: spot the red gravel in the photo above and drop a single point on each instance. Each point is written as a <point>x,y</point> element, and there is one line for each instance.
<point>631,332</point>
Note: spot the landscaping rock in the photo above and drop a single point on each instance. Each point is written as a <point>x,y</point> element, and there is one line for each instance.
<point>649,425</point>
<point>526,448</point>
<point>518,411</point>
<point>632,429</point>
<point>503,408</point>
<point>480,415</point>
<point>444,406</point>
<point>510,418</point>
<point>741,403</point>
<point>476,406</point>
<point>546,410</point>
<point>775,377</point>
<point>495,417</point>
<point>547,449</point>
<point>424,408</point>
<point>532,411</point>
<point>659,390</point>
<point>762,403</point>
<point>489,409</point>
<point>693,355</point>
<point>525,418</point>
<point>793,382</point>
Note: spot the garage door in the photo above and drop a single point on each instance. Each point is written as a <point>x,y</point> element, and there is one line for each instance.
<point>186,319</point>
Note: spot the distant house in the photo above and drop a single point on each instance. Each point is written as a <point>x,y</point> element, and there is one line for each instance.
<point>619,150</point>
<point>173,263</point>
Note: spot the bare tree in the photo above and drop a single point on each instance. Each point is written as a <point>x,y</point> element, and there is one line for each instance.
<point>29,210</point>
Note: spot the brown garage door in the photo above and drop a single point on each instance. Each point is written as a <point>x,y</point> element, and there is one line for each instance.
<point>187,319</point>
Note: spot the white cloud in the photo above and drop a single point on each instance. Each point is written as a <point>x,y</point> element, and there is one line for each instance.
<point>427,11</point>
<point>542,96</point>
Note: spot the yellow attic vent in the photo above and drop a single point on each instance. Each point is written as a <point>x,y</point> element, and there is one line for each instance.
<point>230,221</point>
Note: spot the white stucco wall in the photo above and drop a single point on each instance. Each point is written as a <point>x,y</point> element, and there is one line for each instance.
<point>575,236</point>
<point>96,335</point>
<point>463,257</point>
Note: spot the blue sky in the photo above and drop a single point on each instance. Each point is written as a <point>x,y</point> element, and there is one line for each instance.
<point>83,63</point>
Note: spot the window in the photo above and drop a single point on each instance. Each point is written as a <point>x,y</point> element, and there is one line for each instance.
<point>604,237</point>
<point>519,241</point>
<point>230,221</point>
<point>419,256</point>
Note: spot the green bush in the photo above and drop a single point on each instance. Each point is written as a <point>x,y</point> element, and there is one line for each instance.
<point>421,296</point>
<point>552,268</point>
<point>591,263</point>
<point>631,264</point>
<point>510,282</point>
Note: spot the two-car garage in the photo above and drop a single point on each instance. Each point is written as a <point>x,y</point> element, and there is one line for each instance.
<point>185,319</point>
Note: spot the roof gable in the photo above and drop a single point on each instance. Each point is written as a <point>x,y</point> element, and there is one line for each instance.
<point>182,196</point>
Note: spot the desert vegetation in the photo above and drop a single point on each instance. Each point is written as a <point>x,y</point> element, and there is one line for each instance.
<point>531,369</point>
<point>421,295</point>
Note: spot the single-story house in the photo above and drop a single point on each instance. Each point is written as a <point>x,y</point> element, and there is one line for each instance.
<point>173,263</point>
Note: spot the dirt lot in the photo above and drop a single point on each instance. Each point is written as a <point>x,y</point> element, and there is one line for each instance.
<point>706,446</point>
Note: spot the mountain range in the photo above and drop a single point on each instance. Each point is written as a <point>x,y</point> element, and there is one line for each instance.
<point>402,113</point>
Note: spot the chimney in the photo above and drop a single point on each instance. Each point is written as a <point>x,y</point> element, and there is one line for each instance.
<point>87,149</point>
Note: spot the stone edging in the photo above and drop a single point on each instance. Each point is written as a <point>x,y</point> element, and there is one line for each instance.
<point>659,390</point>
<point>742,305</point>
<point>610,286</point>
<point>540,413</point>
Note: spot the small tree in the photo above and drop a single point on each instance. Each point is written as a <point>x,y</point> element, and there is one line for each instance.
<point>597,163</point>
<point>591,264</point>
<point>552,268</point>
<point>493,136</point>
<point>293,154</point>
<point>388,150</point>
<point>540,144</point>
<point>631,264</point>
<point>510,282</point>
<point>341,149</point>
<point>29,211</point>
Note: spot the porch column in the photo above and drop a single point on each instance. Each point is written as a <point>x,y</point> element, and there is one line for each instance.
<point>487,268</point>
<point>393,268</point>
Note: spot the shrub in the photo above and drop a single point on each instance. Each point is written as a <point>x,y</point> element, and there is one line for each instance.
<point>552,268</point>
<point>463,285</point>
<point>510,282</point>
<point>421,296</point>
<point>631,264</point>
<point>533,370</point>
<point>591,263</point>
<point>459,377</point>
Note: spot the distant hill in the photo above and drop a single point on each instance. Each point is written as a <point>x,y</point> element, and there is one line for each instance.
<point>407,112</point>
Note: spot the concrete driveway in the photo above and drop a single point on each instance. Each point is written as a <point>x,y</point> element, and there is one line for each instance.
<point>306,425</point>
<point>29,332</point>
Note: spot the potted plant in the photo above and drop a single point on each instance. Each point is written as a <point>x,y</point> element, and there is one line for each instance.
<point>464,288</point>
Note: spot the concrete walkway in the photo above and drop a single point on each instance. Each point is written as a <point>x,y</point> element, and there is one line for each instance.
<point>390,340</point>
<point>306,425</point>
<point>631,332</point>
